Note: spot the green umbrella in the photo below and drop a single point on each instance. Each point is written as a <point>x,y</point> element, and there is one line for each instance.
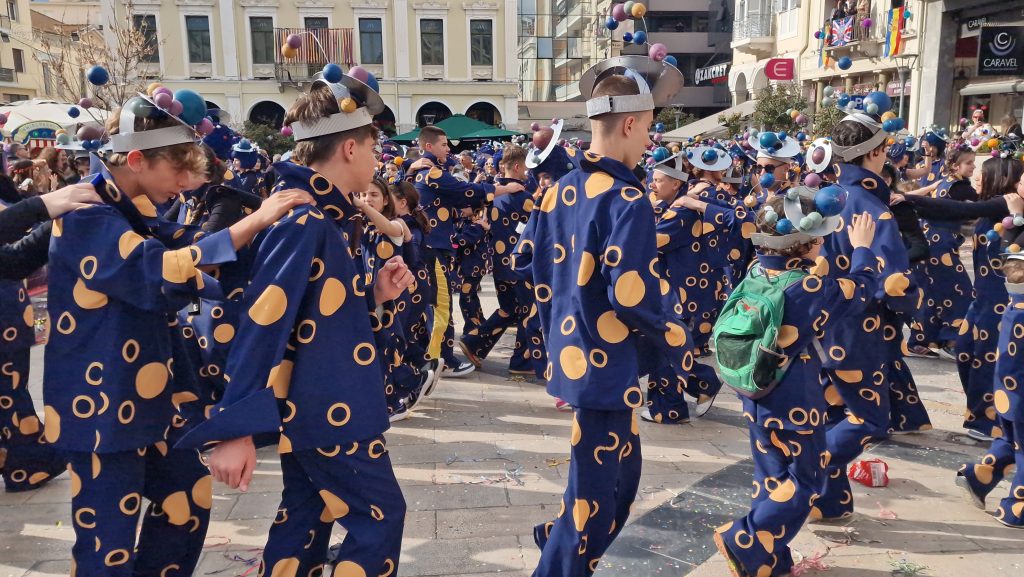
<point>459,125</point>
<point>492,134</point>
<point>406,137</point>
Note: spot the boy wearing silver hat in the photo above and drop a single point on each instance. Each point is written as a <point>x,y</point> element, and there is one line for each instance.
<point>590,249</point>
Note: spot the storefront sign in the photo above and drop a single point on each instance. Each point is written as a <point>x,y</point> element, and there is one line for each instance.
<point>976,23</point>
<point>714,74</point>
<point>893,88</point>
<point>780,69</point>
<point>1001,51</point>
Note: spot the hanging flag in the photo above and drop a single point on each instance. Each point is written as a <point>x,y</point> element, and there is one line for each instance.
<point>842,31</point>
<point>894,35</point>
<point>824,59</point>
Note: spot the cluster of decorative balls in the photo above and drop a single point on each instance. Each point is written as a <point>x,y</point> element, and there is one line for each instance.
<point>874,103</point>
<point>828,201</point>
<point>659,153</point>
<point>1008,223</point>
<point>630,9</point>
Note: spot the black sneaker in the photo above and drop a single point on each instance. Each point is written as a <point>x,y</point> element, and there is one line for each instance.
<point>461,369</point>
<point>922,352</point>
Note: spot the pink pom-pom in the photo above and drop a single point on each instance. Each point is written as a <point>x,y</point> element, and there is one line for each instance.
<point>963,122</point>
<point>554,121</point>
<point>1008,222</point>
<point>3,119</point>
<point>286,131</point>
<point>812,180</point>
<point>801,119</point>
<point>205,126</point>
<point>975,142</point>
<point>176,108</point>
<point>658,137</point>
<point>162,99</point>
<point>535,126</point>
<point>359,73</point>
<point>657,51</point>
<point>563,142</point>
<point>85,103</point>
<point>866,23</point>
<point>163,90</point>
<point>294,41</point>
<point>542,138</point>
<point>619,12</point>
<point>651,161</point>
<point>995,154</point>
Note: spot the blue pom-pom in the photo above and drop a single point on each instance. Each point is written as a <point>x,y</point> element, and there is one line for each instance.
<point>783,135</point>
<point>992,236</point>
<point>671,60</point>
<point>193,106</point>
<point>95,144</point>
<point>627,36</point>
<point>893,125</point>
<point>784,226</point>
<point>639,37</point>
<point>768,140</point>
<point>844,100</point>
<point>371,81</point>
<point>659,127</point>
<point>97,75</point>
<point>661,153</point>
<point>830,201</point>
<point>333,72</point>
<point>74,112</point>
<point>767,180</point>
<point>845,63</point>
<point>881,100</point>
<point>801,136</point>
<point>709,156</point>
<point>611,23</point>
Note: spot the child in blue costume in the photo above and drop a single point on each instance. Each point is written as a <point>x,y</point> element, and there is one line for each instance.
<point>682,254</point>
<point>112,402</point>
<point>787,425</point>
<point>508,216</point>
<point>415,315</point>
<point>442,197</point>
<point>861,347</point>
<point>928,171</point>
<point>591,251</point>
<point>979,479</point>
<point>248,176</point>
<point>304,361</point>
<point>949,291</point>
<point>472,260</point>
<point>775,169</point>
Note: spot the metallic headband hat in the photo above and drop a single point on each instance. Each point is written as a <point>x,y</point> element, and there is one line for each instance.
<point>781,147</point>
<point>360,101</point>
<point>796,227</point>
<point>657,80</point>
<point>127,139</point>
<point>819,158</point>
<point>848,153</point>
<point>673,167</point>
<point>539,150</point>
<point>709,158</point>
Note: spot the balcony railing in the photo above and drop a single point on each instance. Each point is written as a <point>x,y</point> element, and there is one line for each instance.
<point>7,75</point>
<point>754,26</point>
<point>336,42</point>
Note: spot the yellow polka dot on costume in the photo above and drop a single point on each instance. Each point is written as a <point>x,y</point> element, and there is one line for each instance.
<point>896,285</point>
<point>28,316</point>
<point>629,289</point>
<point>581,514</point>
<point>349,569</point>
<point>177,509</point>
<point>850,376</point>
<point>577,432</point>
<point>270,306</point>
<point>573,362</point>
<point>783,492</point>
<point>127,243</point>
<point>151,380</point>
<point>587,264</point>
<point>223,333</point>
<point>335,505</point>
<point>946,259</point>
<point>51,431</point>
<point>332,296</point>
<point>787,335</point>
<point>443,214</point>
<point>287,567</point>
<point>848,287</point>
<point>610,328</point>
<point>675,335</point>
<point>280,378</point>
<point>598,183</point>
<point>385,250</point>
<point>178,265</point>
<point>1002,402</point>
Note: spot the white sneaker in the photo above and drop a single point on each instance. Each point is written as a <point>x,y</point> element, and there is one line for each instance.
<point>464,368</point>
<point>704,406</point>
<point>979,436</point>
<point>435,377</point>
<point>646,416</point>
<point>400,415</point>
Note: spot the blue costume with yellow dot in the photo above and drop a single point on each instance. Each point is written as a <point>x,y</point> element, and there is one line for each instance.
<point>472,260</point>
<point>787,434</point>
<point>861,347</point>
<point>319,384</point>
<point>1007,450</point>
<point>592,243</point>
<point>114,401</point>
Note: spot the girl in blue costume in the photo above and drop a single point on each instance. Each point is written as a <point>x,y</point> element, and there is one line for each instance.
<point>976,344</point>
<point>787,433</point>
<point>316,327</point>
<point>861,346</point>
<point>928,172</point>
<point>591,251</point>
<point>415,315</point>
<point>1007,451</point>
<point>117,272</point>
<point>246,159</point>
<point>949,291</point>
<point>681,247</point>
<point>472,260</point>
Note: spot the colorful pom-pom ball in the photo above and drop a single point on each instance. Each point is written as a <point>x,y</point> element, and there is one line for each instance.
<point>535,126</point>
<point>152,88</point>
<point>193,106</point>
<point>651,162</point>
<point>74,112</point>
<point>88,133</point>
<point>827,102</point>
<point>332,72</point>
<point>3,119</point>
<point>889,115</point>
<point>998,227</point>
<point>866,23</point>
<point>709,156</point>
<point>627,37</point>
<point>97,75</point>
<point>830,200</point>
<point>628,6</point>
<point>542,138</point>
<point>660,154</point>
<point>808,222</point>
<point>1018,220</point>
<point>784,226</point>
<point>619,12</point>
<point>658,137</point>
<point>845,63</point>
<point>871,108</point>
<point>658,51</point>
<point>1008,223</point>
<point>993,143</point>
<point>639,10</point>
<point>611,23</point>
<point>359,73</point>
<point>639,37</point>
<point>289,52</point>
<point>64,139</point>
<point>1014,248</point>
<point>812,180</point>
<point>176,108</point>
<point>767,180</point>
<point>975,142</point>
<point>371,81</point>
<point>671,60</point>
<point>892,125</point>
<point>801,136</point>
<point>348,105</point>
<point>750,201</point>
<point>829,91</point>
<point>844,100</point>
<point>163,90</point>
<point>817,34</point>
<point>801,119</point>
<point>881,99</point>
<point>163,100</point>
<point>768,140</point>
<point>286,131</point>
<point>659,127</point>
<point>205,126</point>
<point>992,236</point>
<point>294,41</point>
<point>963,122</point>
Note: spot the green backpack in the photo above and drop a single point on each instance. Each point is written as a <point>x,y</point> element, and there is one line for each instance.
<point>746,333</point>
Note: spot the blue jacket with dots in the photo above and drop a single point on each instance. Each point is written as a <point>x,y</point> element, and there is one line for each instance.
<point>304,359</point>
<point>118,273</point>
<point>441,196</point>
<point>591,252</point>
<point>1007,395</point>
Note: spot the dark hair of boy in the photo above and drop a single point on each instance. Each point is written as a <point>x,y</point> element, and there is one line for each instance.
<point>320,103</point>
<point>431,135</point>
<point>851,133</point>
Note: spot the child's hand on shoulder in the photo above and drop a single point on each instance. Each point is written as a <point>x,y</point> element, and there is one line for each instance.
<point>862,231</point>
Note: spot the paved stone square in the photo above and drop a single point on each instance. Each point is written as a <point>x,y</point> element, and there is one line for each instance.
<point>483,460</point>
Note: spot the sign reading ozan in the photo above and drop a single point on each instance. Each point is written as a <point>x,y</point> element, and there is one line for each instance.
<point>714,74</point>
<point>1001,51</point>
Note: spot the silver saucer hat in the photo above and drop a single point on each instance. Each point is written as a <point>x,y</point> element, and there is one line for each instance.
<point>658,81</point>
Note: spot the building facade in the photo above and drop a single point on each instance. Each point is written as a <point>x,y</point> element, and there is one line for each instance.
<point>21,76</point>
<point>432,58</point>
